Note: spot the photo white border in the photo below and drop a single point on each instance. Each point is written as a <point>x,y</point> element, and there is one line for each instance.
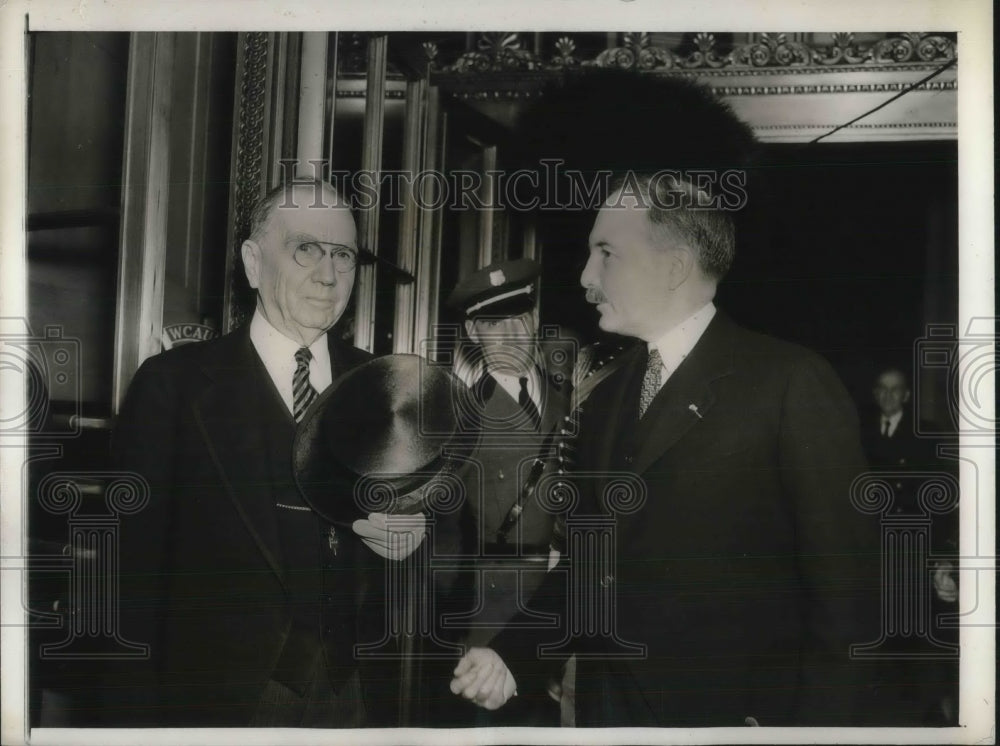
<point>971,18</point>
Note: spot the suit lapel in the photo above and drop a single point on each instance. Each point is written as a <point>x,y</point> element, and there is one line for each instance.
<point>230,422</point>
<point>613,397</point>
<point>687,396</point>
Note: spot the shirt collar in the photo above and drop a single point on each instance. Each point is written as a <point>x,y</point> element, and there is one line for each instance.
<point>512,384</point>
<point>678,342</point>
<point>893,420</point>
<point>277,352</point>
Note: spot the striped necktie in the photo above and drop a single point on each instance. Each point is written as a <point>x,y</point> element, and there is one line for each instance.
<point>303,393</point>
<point>651,380</point>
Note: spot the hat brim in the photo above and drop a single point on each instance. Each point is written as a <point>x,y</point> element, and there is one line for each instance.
<point>377,436</point>
<point>505,308</point>
<point>396,272</point>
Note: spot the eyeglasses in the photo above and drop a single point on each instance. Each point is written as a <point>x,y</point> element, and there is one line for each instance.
<point>311,253</point>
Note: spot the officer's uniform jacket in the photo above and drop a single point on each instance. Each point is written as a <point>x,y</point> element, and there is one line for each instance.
<point>495,478</point>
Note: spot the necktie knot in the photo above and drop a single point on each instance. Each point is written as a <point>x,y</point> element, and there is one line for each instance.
<point>302,357</point>
<point>651,380</point>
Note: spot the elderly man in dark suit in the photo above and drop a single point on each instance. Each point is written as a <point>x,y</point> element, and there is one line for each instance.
<point>251,603</point>
<point>744,575</point>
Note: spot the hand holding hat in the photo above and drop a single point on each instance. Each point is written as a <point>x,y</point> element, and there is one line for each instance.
<point>393,537</point>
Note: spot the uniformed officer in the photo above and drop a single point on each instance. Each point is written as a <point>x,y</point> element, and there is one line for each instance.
<point>520,400</point>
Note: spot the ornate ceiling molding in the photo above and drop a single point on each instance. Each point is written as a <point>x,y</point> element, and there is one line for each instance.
<point>859,126</point>
<point>789,87</point>
<point>784,90</point>
<point>504,52</point>
<point>722,89</point>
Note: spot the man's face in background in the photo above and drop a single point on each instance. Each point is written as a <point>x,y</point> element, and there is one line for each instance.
<point>508,342</point>
<point>891,392</point>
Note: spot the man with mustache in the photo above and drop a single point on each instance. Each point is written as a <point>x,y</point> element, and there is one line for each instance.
<point>743,577</point>
<point>250,603</point>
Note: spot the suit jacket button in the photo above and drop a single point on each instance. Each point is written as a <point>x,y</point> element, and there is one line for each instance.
<point>629,459</point>
<point>608,580</point>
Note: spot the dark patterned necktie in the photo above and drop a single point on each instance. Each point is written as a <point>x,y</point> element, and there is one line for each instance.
<point>303,393</point>
<point>650,381</point>
<point>526,403</point>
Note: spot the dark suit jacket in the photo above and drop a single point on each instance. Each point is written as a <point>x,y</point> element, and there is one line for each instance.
<point>903,452</point>
<point>746,573</point>
<point>203,578</point>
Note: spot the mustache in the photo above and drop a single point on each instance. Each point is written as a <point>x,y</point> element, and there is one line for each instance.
<point>595,296</point>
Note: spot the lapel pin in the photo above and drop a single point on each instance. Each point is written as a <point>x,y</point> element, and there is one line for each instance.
<point>694,408</point>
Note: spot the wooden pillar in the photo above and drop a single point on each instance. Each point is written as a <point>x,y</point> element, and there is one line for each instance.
<point>261,122</point>
<point>371,163</point>
<point>146,183</point>
<point>428,267</point>
<point>312,101</point>
<point>488,213</point>
<point>404,331</point>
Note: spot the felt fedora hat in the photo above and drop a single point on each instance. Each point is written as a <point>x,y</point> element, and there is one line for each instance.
<point>378,436</point>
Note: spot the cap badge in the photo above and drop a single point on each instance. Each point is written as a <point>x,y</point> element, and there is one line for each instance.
<point>497,278</point>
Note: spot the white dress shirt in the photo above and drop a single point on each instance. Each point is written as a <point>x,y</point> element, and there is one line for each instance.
<point>277,352</point>
<point>512,385</point>
<point>893,421</point>
<point>677,343</point>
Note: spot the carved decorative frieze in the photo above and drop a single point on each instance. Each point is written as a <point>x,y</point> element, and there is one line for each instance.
<point>837,75</point>
<point>779,90</point>
<point>499,52</point>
